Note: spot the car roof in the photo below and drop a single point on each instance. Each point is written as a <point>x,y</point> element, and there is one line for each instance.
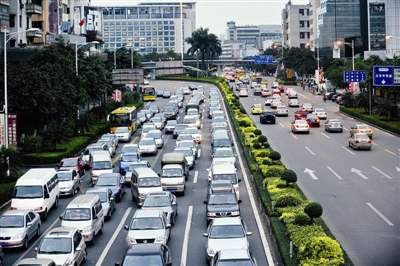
<point>61,232</point>
<point>15,212</point>
<point>234,254</point>
<point>97,189</point>
<point>141,213</point>
<point>148,248</point>
<point>158,194</point>
<point>228,220</point>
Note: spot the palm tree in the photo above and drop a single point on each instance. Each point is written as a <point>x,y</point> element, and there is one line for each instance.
<point>214,46</point>
<point>384,107</point>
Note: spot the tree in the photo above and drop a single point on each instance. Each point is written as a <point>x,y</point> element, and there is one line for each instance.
<point>384,107</point>
<point>313,210</point>
<point>55,133</point>
<point>289,176</point>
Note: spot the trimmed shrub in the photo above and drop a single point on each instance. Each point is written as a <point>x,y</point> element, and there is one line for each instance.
<point>237,97</point>
<point>249,130</point>
<point>288,217</point>
<point>289,176</point>
<point>262,139</point>
<point>302,219</point>
<point>274,171</point>
<point>323,250</point>
<point>262,154</point>
<point>33,144</point>
<point>274,155</point>
<point>256,145</point>
<point>242,110</point>
<point>266,145</point>
<point>257,132</point>
<point>243,123</point>
<point>288,200</point>
<point>313,210</point>
<point>266,162</point>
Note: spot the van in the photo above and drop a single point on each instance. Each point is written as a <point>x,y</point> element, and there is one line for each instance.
<point>37,190</point>
<point>226,171</point>
<point>143,181</point>
<point>220,139</point>
<point>100,163</point>
<point>85,212</point>
<point>174,172</point>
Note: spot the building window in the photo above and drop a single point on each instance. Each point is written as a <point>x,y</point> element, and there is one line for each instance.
<point>148,27</point>
<point>159,22</point>
<point>171,33</point>
<point>172,44</point>
<point>135,27</point>
<point>118,33</point>
<point>112,33</point>
<point>142,27</point>
<point>165,32</point>
<point>166,38</point>
<point>123,23</point>
<point>165,22</point>
<point>154,22</point>
<point>166,43</point>
<point>147,22</point>
<point>301,23</point>
<point>301,35</point>
<point>171,22</point>
<point>172,27</point>
<point>308,23</point>
<point>20,21</point>
<point>136,23</point>
<point>130,28</point>
<point>301,11</point>
<point>112,23</point>
<point>172,38</point>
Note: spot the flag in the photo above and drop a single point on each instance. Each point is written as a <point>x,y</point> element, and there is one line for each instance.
<point>82,22</point>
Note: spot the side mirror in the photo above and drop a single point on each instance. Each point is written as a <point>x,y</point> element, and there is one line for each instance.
<point>112,199</point>
<point>61,217</point>
<point>168,226</point>
<point>78,248</point>
<point>28,224</point>
<point>205,202</point>
<point>126,227</point>
<point>240,201</point>
<point>205,234</point>
<point>113,166</point>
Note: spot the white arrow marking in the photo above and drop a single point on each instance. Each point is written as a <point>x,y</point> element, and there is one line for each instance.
<point>333,172</point>
<point>311,173</point>
<point>380,214</point>
<point>310,151</point>
<point>201,126</point>
<point>358,172</point>
<point>348,150</point>
<point>381,172</point>
<point>325,135</point>
<point>196,174</point>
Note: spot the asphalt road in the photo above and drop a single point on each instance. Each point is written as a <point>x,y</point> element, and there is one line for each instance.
<point>359,190</point>
<point>187,244</point>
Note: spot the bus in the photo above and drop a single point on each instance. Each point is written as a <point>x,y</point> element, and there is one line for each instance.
<point>149,93</point>
<point>123,117</point>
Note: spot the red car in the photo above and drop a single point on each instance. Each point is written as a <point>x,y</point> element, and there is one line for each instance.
<point>301,114</point>
<point>75,163</point>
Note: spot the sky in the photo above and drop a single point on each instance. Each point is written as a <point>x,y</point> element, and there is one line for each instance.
<point>214,14</point>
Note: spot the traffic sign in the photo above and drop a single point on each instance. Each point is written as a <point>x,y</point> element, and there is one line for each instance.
<point>386,76</point>
<point>263,59</point>
<point>355,76</point>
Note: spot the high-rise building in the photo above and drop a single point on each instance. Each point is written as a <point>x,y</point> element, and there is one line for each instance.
<point>149,27</point>
<point>295,25</point>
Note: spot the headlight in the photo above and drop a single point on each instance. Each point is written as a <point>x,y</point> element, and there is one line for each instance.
<point>17,236</point>
<point>68,186</point>
<point>235,213</point>
<point>159,239</point>
<point>131,240</point>
<point>211,214</point>
<point>87,229</point>
<point>210,251</point>
<point>180,183</point>
<point>68,262</point>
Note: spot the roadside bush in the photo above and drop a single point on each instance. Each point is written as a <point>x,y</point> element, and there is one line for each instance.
<point>261,153</point>
<point>266,162</point>
<point>289,176</point>
<point>257,132</point>
<point>266,145</point>
<point>274,155</point>
<point>6,191</point>
<point>256,145</point>
<point>262,139</point>
<point>249,130</point>
<point>288,200</point>
<point>302,219</point>
<point>274,171</point>
<point>323,250</point>
<point>33,144</point>
<point>313,210</point>
<point>243,123</point>
<point>237,97</point>
<point>242,110</point>
<point>287,217</point>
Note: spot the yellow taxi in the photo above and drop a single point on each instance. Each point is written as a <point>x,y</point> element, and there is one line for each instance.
<point>256,109</point>
<point>264,81</point>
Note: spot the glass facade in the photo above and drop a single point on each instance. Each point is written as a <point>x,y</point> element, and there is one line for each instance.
<point>377,26</point>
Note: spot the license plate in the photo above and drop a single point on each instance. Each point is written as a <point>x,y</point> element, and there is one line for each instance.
<point>3,244</point>
<point>172,191</point>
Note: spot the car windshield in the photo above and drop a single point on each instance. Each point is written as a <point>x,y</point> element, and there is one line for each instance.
<point>361,137</point>
<point>153,108</point>
<point>141,115</point>
<point>102,195</point>
<point>154,135</point>
<point>77,214</point>
<point>169,109</point>
<point>319,110</point>
<point>149,182</point>
<point>56,245</point>
<point>227,231</point>
<point>230,177</point>
<point>146,142</point>
<point>101,165</point>
<point>174,172</point>
<point>68,163</point>
<point>27,192</point>
<point>219,119</point>
<point>129,148</point>
<point>156,120</point>
<point>180,127</point>
<point>137,165</point>
<point>147,129</point>
<point>150,223</point>
<point>223,153</point>
<point>189,120</point>
<point>157,202</point>
<point>172,123</point>
<point>107,181</point>
<point>222,143</point>
<point>122,130</point>
<point>8,221</point>
<point>186,144</point>
<point>218,198</point>
<point>363,127</point>
<point>334,121</point>
<point>145,259</point>
<point>184,137</point>
<point>191,131</point>
<point>186,152</point>
<point>64,176</point>
<point>257,106</point>
<point>129,157</point>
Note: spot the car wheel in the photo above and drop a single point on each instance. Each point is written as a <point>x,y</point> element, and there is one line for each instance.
<point>133,198</point>
<point>341,131</point>
<point>72,192</point>
<point>44,218</point>
<point>38,231</point>
<point>172,220</point>
<point>349,145</point>
<point>93,242</point>
<point>119,198</point>
<point>26,243</point>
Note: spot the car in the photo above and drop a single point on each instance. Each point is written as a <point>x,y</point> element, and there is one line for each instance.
<point>193,111</point>
<point>160,93</point>
<point>157,135</point>
<point>188,143</point>
<point>246,81</point>
<point>360,141</point>
<point>170,113</point>
<point>265,92</point>
<point>300,126</point>
<point>66,246</point>
<point>281,111</point>
<point>166,94</point>
<point>148,226</point>
<point>183,136</point>
<point>219,119</point>
<point>146,82</point>
<point>162,116</point>
<point>275,103</point>
<point>313,120</point>
<point>267,116</point>
<point>293,103</point>
<point>146,254</point>
<point>113,136</point>
<point>276,92</point>
<point>106,198</point>
<point>321,113</point>
<point>288,90</point>
<point>126,159</point>
<point>308,106</point>
<point>130,148</point>
<point>165,201</point>
<point>113,181</point>
<point>69,181</point>
<point>158,122</point>
<point>362,128</point>
<point>215,186</point>
<point>147,146</point>
<point>89,149</point>
<point>275,84</point>
<point>214,104</point>
<point>224,154</point>
<point>243,93</point>
<point>179,128</point>
<point>253,84</point>
<point>301,114</point>
<point>170,126</point>
<point>334,96</point>
<point>147,112</point>
<point>186,91</point>
<point>268,100</point>
<point>75,163</point>
<point>195,133</point>
<point>257,109</point>
<point>292,94</point>
<point>191,121</point>
<point>17,227</point>
<point>189,155</point>
<point>142,118</point>
<point>34,262</point>
<point>110,143</point>
<point>154,109</point>
<point>211,110</point>
<point>233,257</point>
<point>138,164</point>
<point>192,87</point>
<point>222,204</point>
<point>333,125</point>
<point>123,134</point>
<point>146,128</point>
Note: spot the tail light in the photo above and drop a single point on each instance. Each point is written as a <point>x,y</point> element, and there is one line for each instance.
<point>39,208</point>
<point>13,208</point>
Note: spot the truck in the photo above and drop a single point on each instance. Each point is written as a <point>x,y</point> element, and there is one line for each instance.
<point>174,172</point>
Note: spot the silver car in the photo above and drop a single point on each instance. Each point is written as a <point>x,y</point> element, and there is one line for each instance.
<point>146,128</point>
<point>300,126</point>
<point>281,111</point>
<point>189,155</point>
<point>165,201</point>
<point>148,146</point>
<point>308,106</point>
<point>17,227</point>
<point>157,136</point>
<point>224,154</point>
<point>333,125</point>
<point>228,232</point>
<point>69,181</point>
<point>158,122</point>
<point>106,198</point>
<point>188,143</point>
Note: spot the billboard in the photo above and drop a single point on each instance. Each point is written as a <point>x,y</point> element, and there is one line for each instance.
<point>87,20</point>
<point>11,129</point>
<point>128,76</point>
<point>169,67</point>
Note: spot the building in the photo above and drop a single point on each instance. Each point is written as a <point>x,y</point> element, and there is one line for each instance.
<point>314,33</point>
<point>295,25</point>
<point>149,27</point>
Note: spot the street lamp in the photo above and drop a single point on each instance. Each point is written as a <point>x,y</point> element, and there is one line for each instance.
<point>10,35</point>
<point>352,48</point>
<point>77,46</point>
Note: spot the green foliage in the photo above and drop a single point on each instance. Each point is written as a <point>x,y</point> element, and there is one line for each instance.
<point>242,110</point>
<point>257,132</point>
<point>55,133</point>
<point>6,191</point>
<point>274,171</point>
<point>256,146</point>
<point>262,139</point>
<point>274,155</point>
<point>266,145</point>
<point>249,130</point>
<point>313,210</point>
<point>288,217</point>
<point>266,162</point>
<point>288,200</point>
<point>385,107</point>
<point>243,123</point>
<point>289,176</point>
<point>323,250</point>
<point>302,219</point>
<point>33,144</point>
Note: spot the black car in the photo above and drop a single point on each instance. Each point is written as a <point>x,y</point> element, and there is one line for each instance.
<point>313,120</point>
<point>160,93</point>
<point>222,204</point>
<point>170,126</point>
<point>147,254</point>
<point>179,128</point>
<point>170,113</point>
<point>166,94</point>
<point>267,116</point>
<point>192,87</point>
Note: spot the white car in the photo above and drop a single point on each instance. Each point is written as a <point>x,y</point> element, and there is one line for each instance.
<point>146,82</point>
<point>188,143</point>
<point>189,155</point>
<point>224,154</point>
<point>181,137</point>
<point>281,111</point>
<point>195,133</point>
<point>300,126</point>
<point>293,103</point>
<point>321,113</point>
<point>158,122</point>
<point>69,181</point>
<point>157,135</point>
<point>292,95</point>
<point>275,103</point>
<point>308,106</point>
<point>243,93</point>
<point>146,128</point>
<point>123,133</point>
<point>147,146</point>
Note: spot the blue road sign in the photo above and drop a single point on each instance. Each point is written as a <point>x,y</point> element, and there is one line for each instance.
<point>355,76</point>
<point>263,59</point>
<point>386,76</point>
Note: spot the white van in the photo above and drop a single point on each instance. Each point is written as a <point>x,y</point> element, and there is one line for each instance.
<point>85,212</point>
<point>143,181</point>
<point>101,163</point>
<point>37,190</point>
<point>226,171</point>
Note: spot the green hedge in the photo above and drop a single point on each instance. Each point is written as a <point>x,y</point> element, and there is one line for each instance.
<point>6,191</point>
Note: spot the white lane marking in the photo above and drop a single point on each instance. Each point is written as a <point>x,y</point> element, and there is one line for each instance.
<point>311,173</point>
<point>255,99</point>
<point>333,172</point>
<point>310,150</point>
<point>281,124</point>
<point>186,238</point>
<point>198,153</point>
<point>358,172</point>
<point>35,244</point>
<point>381,172</point>
<point>196,174</point>
<point>293,135</point>
<point>112,239</point>
<point>380,214</point>
<point>201,126</point>
<point>177,118</point>
<point>325,135</point>
<point>348,150</point>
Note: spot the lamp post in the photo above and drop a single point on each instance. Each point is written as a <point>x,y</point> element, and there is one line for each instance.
<point>352,49</point>
<point>316,47</point>
<point>77,46</point>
